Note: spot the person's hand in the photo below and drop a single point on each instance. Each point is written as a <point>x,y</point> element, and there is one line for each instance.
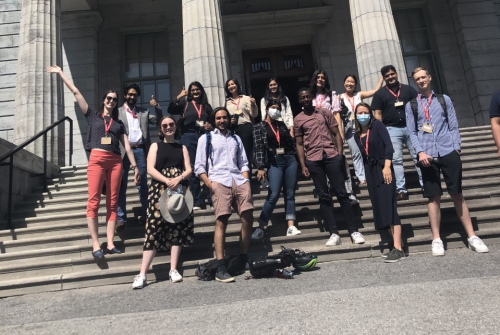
<point>209,185</point>
<point>343,137</point>
<point>261,174</point>
<point>153,102</point>
<point>207,126</point>
<point>174,182</point>
<point>252,101</point>
<point>387,173</point>
<point>182,94</point>
<point>305,172</point>
<point>53,69</point>
<point>137,176</point>
<point>424,159</point>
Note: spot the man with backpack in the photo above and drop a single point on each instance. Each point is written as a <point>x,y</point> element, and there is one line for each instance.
<point>433,126</point>
<point>222,164</point>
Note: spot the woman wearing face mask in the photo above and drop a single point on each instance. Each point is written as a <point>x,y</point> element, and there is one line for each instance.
<point>323,97</point>
<point>193,107</point>
<point>275,149</point>
<point>274,92</point>
<point>348,101</point>
<point>376,147</point>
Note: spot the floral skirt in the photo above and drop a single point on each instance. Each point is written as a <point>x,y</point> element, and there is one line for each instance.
<point>161,234</point>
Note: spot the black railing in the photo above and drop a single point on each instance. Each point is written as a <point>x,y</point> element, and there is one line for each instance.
<point>11,154</point>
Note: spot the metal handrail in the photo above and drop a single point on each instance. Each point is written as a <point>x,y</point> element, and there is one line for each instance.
<point>11,154</point>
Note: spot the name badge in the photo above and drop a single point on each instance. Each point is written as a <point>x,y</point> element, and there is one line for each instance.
<point>280,151</point>
<point>200,123</point>
<point>106,140</point>
<point>427,128</point>
<point>398,103</point>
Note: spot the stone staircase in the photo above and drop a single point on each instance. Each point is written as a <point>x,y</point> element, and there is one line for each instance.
<point>50,249</point>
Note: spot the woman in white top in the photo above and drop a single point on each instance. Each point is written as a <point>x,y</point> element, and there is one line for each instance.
<point>348,102</point>
<point>274,92</point>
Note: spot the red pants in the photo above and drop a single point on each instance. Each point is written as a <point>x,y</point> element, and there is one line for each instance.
<point>104,166</point>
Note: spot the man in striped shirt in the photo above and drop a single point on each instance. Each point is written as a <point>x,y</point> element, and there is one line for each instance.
<point>433,126</point>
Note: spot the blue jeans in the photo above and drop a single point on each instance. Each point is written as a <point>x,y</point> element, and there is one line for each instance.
<point>398,137</point>
<point>282,171</point>
<point>357,159</point>
<point>190,141</point>
<point>140,159</point>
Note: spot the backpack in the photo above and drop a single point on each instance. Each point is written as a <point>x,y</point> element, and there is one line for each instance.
<point>206,271</point>
<point>297,258</point>
<point>414,108</point>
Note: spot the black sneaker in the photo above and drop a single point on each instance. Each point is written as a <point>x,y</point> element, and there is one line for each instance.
<point>395,256</point>
<point>223,276</point>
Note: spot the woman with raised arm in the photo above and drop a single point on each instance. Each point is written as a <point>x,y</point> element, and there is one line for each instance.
<point>170,223</point>
<point>274,92</point>
<point>105,164</point>
<point>348,102</point>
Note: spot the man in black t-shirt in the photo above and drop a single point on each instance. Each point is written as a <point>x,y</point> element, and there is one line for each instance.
<point>389,107</point>
<point>495,118</point>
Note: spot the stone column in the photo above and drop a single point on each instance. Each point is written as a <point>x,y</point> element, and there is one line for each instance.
<point>38,101</point>
<point>204,52</point>
<point>376,41</point>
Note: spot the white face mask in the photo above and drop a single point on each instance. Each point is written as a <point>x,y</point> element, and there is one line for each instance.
<point>274,113</point>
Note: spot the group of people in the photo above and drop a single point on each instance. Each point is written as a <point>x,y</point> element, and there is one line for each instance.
<point>220,146</point>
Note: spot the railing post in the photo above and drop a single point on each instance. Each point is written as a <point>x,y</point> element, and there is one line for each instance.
<point>45,162</point>
<point>70,141</point>
<point>11,178</point>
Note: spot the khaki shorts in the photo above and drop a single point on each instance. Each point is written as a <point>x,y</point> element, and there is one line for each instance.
<point>239,197</point>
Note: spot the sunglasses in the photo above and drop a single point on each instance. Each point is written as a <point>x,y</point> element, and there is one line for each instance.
<point>165,126</point>
<point>108,98</point>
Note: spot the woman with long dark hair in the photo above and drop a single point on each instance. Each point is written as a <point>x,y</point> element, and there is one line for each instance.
<point>193,107</point>
<point>275,150</point>
<point>376,147</point>
<point>105,163</point>
<point>274,92</point>
<point>348,102</point>
<point>169,166</point>
<point>324,97</point>
<point>243,110</point>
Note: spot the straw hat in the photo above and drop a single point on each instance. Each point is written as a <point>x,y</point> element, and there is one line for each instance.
<point>176,207</point>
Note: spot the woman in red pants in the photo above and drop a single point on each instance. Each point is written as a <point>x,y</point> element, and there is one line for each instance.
<point>105,163</point>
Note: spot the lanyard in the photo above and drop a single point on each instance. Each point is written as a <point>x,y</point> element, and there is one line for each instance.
<point>237,105</point>
<point>276,133</point>
<point>198,110</point>
<point>320,104</point>
<point>426,110</point>
<point>107,127</point>
<point>399,92</point>
<point>367,138</point>
<point>351,102</point>
<point>134,114</point>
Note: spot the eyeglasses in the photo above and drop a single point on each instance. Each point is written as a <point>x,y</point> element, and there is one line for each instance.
<point>108,98</point>
<point>165,126</point>
<point>195,90</point>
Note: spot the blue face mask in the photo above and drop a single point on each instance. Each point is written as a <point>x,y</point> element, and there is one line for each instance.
<point>363,119</point>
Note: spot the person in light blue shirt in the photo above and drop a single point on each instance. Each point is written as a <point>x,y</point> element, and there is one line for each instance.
<point>433,126</point>
<point>222,164</point>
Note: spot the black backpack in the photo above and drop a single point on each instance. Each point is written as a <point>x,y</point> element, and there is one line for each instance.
<point>206,271</point>
<point>414,108</point>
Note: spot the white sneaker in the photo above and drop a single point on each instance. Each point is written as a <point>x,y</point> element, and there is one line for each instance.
<point>175,276</point>
<point>477,245</point>
<point>139,281</point>
<point>196,208</point>
<point>437,247</point>
<point>334,240</point>
<point>357,238</point>
<point>258,234</point>
<point>292,231</point>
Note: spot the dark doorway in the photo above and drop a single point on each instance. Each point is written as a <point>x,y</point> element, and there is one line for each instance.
<point>292,66</point>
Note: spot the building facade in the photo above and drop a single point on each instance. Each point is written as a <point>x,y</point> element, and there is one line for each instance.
<point>164,45</point>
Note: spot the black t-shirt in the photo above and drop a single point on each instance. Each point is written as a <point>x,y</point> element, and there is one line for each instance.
<point>384,100</point>
<point>272,141</point>
<point>169,155</point>
<point>97,132</point>
<point>191,114</point>
<point>495,105</point>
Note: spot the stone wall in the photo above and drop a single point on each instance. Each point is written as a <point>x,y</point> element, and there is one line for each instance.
<point>10,18</point>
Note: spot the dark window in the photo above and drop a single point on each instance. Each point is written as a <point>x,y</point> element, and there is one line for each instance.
<point>261,65</point>
<point>293,62</point>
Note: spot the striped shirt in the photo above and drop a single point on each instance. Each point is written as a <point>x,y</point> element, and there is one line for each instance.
<point>445,137</point>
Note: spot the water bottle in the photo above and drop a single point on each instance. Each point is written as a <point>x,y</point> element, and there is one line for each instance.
<point>283,274</point>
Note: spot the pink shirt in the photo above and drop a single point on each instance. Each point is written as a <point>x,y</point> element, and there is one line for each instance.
<point>330,102</point>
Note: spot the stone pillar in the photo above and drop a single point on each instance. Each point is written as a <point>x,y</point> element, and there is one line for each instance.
<point>204,52</point>
<point>38,101</point>
<point>376,41</point>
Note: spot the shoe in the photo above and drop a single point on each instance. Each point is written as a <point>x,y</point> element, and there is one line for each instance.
<point>175,276</point>
<point>437,247</point>
<point>223,276</point>
<point>357,238</point>
<point>362,182</point>
<point>292,231</point>
<point>258,234</point>
<point>139,281</point>
<point>115,250</point>
<point>402,196</point>
<point>353,200</point>
<point>477,245</point>
<point>98,254</point>
<point>334,240</point>
<point>196,208</point>
<point>395,256</point>
<point>405,252</point>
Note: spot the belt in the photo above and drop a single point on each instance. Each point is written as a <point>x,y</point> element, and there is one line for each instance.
<point>136,146</point>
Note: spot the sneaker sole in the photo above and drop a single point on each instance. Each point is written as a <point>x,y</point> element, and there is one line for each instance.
<point>394,260</point>
<point>138,288</point>
<point>437,254</point>
<point>332,245</point>
<point>175,281</point>
<point>224,280</point>
<point>478,251</point>
<point>359,242</point>
<point>293,234</point>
